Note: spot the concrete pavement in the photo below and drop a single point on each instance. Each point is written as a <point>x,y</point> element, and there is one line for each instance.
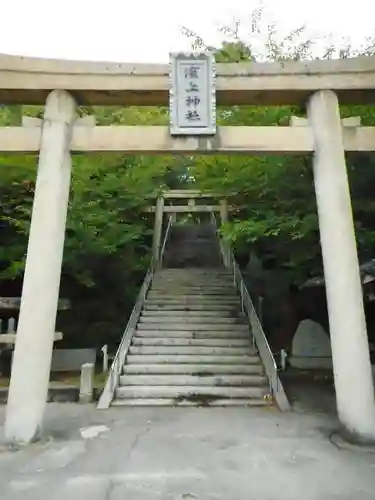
<point>186,453</point>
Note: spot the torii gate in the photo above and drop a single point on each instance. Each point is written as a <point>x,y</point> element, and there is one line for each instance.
<point>63,84</point>
<point>190,196</point>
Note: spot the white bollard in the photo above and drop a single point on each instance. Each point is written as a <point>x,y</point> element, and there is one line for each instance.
<point>11,325</point>
<point>86,388</point>
<point>105,358</point>
<point>283,358</point>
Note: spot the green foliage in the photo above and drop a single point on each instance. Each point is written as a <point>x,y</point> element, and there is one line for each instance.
<point>276,195</point>
<point>107,226</point>
<point>109,195</point>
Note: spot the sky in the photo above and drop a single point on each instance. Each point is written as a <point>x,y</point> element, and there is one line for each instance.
<point>147,30</point>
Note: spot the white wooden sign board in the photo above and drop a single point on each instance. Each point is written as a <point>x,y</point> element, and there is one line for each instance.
<point>192,94</point>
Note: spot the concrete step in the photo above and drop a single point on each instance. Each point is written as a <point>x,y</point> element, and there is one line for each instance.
<point>197,297</point>
<point>188,276</point>
<point>194,380</point>
<point>193,327</point>
<point>196,271</point>
<point>202,313</point>
<point>194,236</point>
<point>190,350</point>
<point>202,287</point>
<point>199,369</point>
<point>227,291</point>
<point>191,281</point>
<point>191,243</point>
<point>180,341</point>
<point>194,280</point>
<point>190,392</point>
<point>199,308</point>
<point>193,251</point>
<point>185,318</point>
<point>188,272</point>
<point>189,334</point>
<point>224,292</point>
<point>223,402</point>
<point>189,301</point>
<point>190,359</point>
<point>170,289</point>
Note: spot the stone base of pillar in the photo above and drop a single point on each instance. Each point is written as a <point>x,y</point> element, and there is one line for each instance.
<point>342,438</point>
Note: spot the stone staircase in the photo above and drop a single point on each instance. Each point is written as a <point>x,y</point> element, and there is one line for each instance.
<point>192,345</point>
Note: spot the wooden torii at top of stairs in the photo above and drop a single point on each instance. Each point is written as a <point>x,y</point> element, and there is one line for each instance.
<point>176,202</point>
<point>194,337</point>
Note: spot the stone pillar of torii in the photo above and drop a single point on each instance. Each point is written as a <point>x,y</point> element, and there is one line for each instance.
<point>29,381</point>
<point>347,322</point>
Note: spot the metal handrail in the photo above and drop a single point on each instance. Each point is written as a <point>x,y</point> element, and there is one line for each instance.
<point>258,336</point>
<point>119,359</point>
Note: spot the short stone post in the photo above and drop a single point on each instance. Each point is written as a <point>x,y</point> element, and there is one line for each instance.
<point>40,293</point>
<point>105,358</point>
<point>350,350</point>
<point>86,388</point>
